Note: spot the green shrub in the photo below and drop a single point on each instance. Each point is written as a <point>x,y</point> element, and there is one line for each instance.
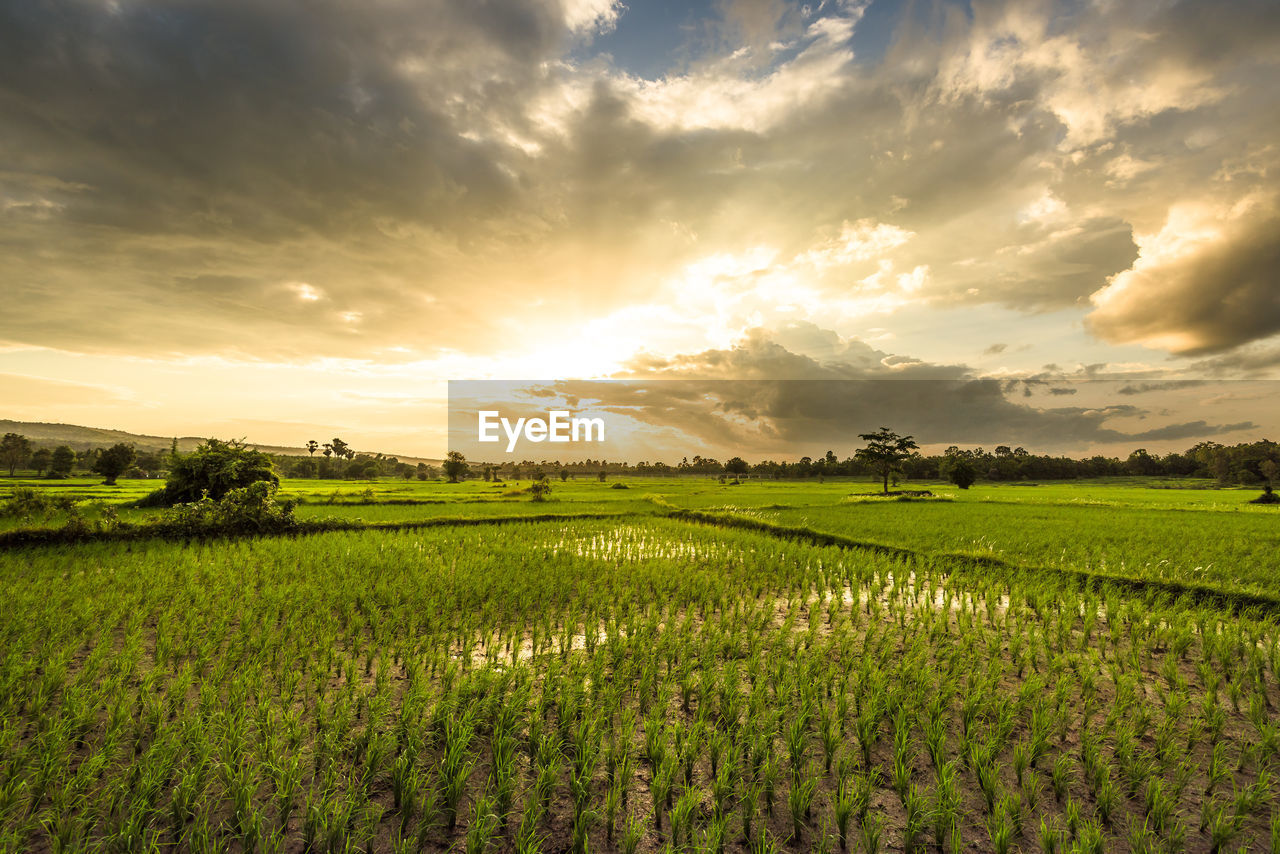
<point>248,510</point>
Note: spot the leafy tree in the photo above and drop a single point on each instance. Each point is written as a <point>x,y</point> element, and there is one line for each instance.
<point>312,447</point>
<point>958,470</point>
<point>885,451</point>
<point>62,461</point>
<point>114,461</point>
<point>40,460</point>
<point>737,466</point>
<point>340,448</point>
<point>455,466</point>
<point>215,468</point>
<point>14,449</point>
<point>539,489</point>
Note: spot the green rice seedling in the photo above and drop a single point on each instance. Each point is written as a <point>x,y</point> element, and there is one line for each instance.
<point>528,831</point>
<point>1001,830</point>
<point>633,831</point>
<point>1049,835</point>
<point>1072,814</point>
<point>1222,827</point>
<point>988,773</point>
<point>799,802</point>
<point>872,831</point>
<point>946,808</point>
<point>902,755</point>
<point>868,726</point>
<point>528,839</point>
<point>1218,772</point>
<point>749,804</point>
<point>830,734</point>
<point>580,830</point>
<point>1090,839</point>
<point>682,817</point>
<point>660,789</point>
<point>1108,797</point>
<point>723,786</point>
<point>843,807</point>
<point>917,817</point>
<point>547,777</point>
<point>1021,761</point>
<point>612,803</point>
<point>768,776</point>
<point>1158,806</point>
<point>1061,776</point>
<point>1249,799</point>
<point>1032,788</point>
<point>797,739</point>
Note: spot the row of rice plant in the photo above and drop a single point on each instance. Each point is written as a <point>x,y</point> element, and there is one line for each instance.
<point>633,687</point>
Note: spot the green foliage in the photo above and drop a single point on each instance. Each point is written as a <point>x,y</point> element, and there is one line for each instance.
<point>214,469</point>
<point>14,450</point>
<point>958,470</point>
<point>253,509</point>
<point>114,461</point>
<point>885,451</point>
<point>455,466</point>
<point>61,461</point>
<point>26,502</point>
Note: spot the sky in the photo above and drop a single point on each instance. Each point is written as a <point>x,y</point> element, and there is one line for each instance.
<point>299,219</point>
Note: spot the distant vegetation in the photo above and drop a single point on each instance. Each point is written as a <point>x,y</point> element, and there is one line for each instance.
<point>1250,463</point>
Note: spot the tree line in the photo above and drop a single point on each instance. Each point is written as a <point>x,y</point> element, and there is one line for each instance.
<point>1249,463</point>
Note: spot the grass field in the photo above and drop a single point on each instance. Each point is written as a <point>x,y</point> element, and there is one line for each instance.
<point>761,668</point>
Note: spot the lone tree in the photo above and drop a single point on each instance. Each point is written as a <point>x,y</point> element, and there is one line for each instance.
<point>62,461</point>
<point>736,466</point>
<point>885,450</point>
<point>40,460</point>
<point>455,466</point>
<point>312,447</point>
<point>959,470</point>
<point>216,467</point>
<point>14,449</point>
<point>114,461</point>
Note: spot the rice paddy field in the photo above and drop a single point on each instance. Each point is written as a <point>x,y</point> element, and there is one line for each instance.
<point>674,666</point>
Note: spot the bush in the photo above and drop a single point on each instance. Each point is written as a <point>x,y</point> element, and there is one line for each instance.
<point>25,502</point>
<point>214,469</point>
<point>252,509</point>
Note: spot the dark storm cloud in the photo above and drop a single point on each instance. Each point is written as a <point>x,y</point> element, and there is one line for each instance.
<point>259,120</point>
<point>1148,387</point>
<point>789,403</point>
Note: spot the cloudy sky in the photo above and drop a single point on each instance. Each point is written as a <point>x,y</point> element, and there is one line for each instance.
<point>290,220</point>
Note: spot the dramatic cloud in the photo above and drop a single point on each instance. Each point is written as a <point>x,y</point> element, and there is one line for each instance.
<point>761,399</point>
<point>1206,282</point>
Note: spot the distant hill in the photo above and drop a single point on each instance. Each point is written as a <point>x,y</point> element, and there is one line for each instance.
<point>82,438</point>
